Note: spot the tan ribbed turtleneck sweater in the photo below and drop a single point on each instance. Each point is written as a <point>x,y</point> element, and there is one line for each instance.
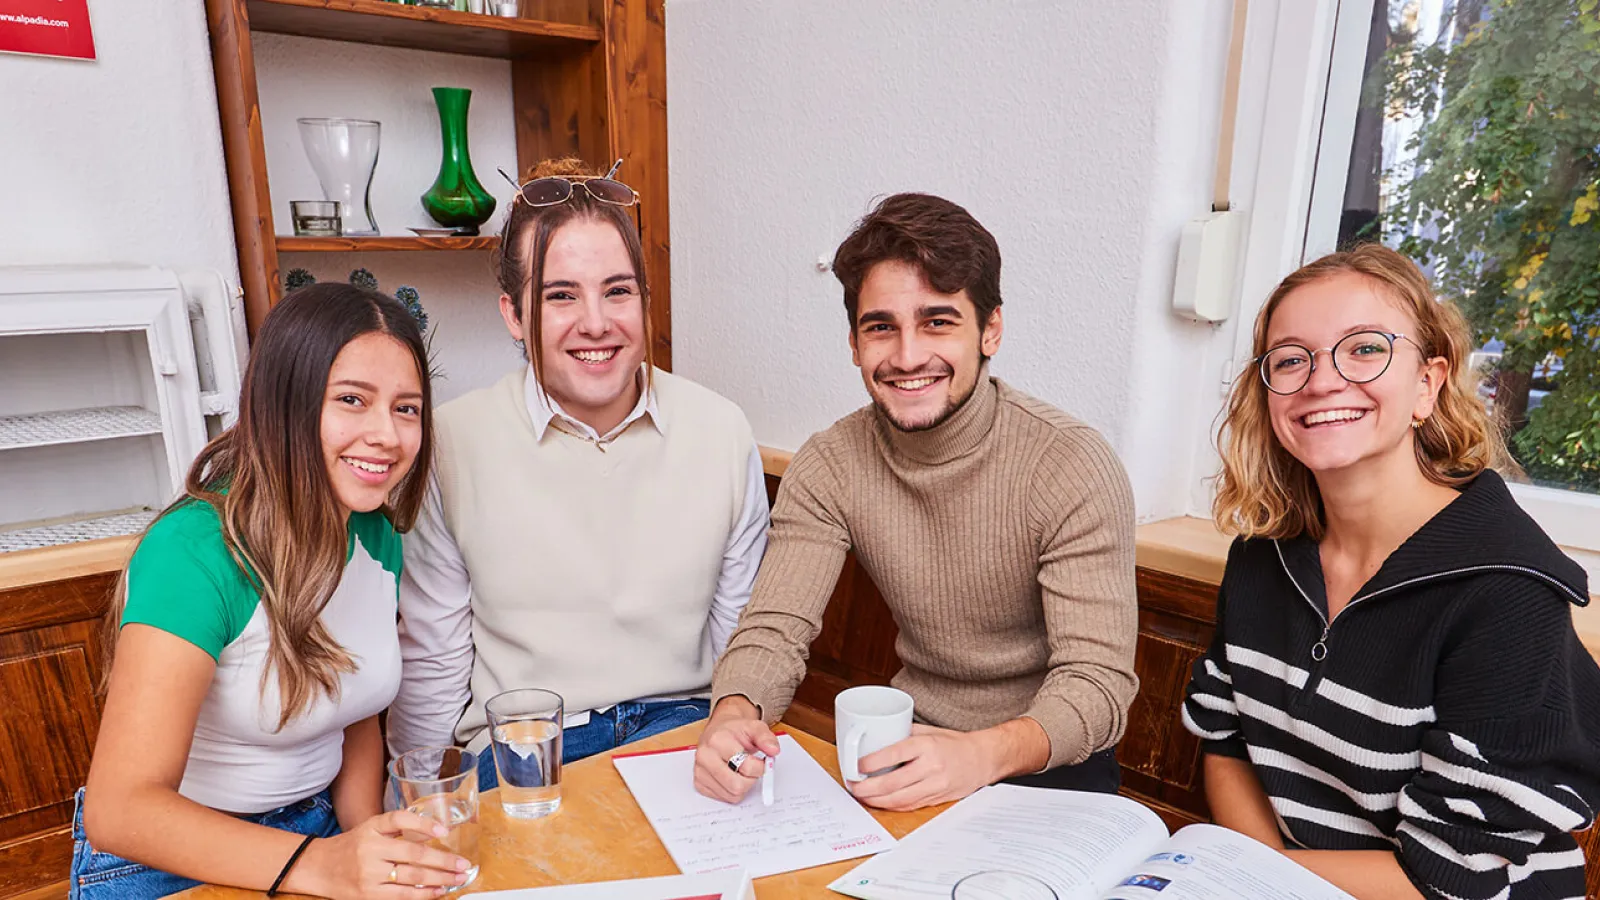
<point>1003,542</point>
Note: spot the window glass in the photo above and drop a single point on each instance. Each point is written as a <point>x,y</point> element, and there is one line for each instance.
<point>1477,153</point>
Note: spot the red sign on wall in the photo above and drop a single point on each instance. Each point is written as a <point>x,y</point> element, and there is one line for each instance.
<point>46,28</point>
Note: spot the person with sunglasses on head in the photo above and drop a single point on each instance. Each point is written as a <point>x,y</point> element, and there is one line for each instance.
<point>1395,696</point>
<point>252,637</point>
<point>998,528</point>
<point>595,523</point>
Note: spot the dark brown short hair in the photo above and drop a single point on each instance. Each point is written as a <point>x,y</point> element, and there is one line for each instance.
<point>942,239</point>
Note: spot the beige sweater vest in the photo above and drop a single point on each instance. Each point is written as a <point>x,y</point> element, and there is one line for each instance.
<point>592,570</point>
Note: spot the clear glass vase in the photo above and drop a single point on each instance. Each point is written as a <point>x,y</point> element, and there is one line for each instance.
<point>344,154</point>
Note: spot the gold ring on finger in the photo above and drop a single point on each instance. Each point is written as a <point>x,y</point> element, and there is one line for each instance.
<point>394,874</point>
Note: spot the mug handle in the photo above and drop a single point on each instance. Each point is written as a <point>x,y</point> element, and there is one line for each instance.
<point>850,754</point>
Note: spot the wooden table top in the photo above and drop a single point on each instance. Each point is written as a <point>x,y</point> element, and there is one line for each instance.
<point>600,834</point>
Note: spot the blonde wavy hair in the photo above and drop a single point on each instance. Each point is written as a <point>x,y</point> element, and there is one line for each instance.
<point>1262,491</point>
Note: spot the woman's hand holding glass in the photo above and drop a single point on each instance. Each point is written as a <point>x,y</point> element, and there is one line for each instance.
<point>383,857</point>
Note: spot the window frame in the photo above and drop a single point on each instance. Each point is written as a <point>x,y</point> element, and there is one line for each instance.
<point>1306,62</point>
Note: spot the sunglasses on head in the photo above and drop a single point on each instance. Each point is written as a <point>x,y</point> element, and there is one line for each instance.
<point>549,191</point>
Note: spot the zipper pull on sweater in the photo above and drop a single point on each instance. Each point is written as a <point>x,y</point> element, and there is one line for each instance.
<point>1300,702</point>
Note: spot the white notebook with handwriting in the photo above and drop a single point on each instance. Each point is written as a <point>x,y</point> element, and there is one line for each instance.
<point>812,821</point>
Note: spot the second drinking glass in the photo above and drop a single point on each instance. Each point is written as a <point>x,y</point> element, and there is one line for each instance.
<point>525,726</point>
<point>441,783</point>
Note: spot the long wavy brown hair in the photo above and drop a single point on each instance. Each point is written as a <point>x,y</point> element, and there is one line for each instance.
<point>525,239</point>
<point>1263,491</point>
<point>267,478</point>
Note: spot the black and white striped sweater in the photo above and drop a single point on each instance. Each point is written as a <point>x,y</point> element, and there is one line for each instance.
<point>1449,713</point>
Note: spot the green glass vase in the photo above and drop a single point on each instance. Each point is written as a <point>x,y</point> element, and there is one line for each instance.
<point>457,199</point>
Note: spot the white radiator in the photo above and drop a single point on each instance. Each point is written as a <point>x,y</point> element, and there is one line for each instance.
<point>112,378</point>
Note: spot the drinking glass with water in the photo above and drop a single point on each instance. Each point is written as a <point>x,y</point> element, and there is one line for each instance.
<point>441,783</point>
<point>998,885</point>
<point>525,726</point>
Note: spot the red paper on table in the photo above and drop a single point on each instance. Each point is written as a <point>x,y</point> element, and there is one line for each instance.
<point>46,28</point>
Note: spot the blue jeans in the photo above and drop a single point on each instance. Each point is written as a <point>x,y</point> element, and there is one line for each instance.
<point>105,876</point>
<point>621,724</point>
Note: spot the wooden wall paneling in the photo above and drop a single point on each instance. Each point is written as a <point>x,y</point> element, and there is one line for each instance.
<point>244,152</point>
<point>1159,758</point>
<point>1177,597</point>
<point>50,666</point>
<point>636,40</point>
<point>572,12</point>
<point>856,644</point>
<point>36,867</point>
<point>559,105</point>
<point>869,631</point>
<point>810,720</point>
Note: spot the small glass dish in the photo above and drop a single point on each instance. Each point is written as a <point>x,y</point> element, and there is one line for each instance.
<point>315,218</point>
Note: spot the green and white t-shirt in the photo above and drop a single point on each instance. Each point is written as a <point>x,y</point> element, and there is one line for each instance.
<point>183,581</point>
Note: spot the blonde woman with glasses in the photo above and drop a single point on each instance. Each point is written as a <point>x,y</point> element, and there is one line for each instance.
<point>1395,696</point>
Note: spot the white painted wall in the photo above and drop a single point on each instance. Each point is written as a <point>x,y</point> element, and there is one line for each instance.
<point>1081,133</point>
<point>306,77</point>
<point>118,159</point>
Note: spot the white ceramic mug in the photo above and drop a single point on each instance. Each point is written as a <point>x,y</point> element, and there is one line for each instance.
<point>867,719</point>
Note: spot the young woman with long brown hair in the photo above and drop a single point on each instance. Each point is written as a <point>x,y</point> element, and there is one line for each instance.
<point>254,633</point>
<point>1395,696</point>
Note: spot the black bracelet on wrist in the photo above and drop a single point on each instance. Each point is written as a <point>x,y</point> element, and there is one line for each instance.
<point>293,858</point>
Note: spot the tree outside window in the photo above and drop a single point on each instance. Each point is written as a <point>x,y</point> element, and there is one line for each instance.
<point>1477,152</point>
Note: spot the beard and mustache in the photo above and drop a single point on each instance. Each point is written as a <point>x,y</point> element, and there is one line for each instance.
<point>937,368</point>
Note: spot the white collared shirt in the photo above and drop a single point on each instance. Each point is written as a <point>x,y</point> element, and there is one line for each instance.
<point>436,589</point>
<point>543,409</point>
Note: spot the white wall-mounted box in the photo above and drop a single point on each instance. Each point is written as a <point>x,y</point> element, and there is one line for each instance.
<point>1203,287</point>
<point>102,405</point>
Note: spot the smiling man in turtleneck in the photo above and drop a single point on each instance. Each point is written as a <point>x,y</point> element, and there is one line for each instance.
<point>998,528</point>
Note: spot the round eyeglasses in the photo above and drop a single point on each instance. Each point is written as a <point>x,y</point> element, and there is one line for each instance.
<point>1359,357</point>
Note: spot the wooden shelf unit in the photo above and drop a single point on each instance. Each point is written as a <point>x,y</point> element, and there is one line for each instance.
<point>294,244</point>
<point>418,28</point>
<point>588,80</point>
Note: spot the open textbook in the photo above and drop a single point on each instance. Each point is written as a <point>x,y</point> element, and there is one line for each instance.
<point>732,884</point>
<point>1086,847</point>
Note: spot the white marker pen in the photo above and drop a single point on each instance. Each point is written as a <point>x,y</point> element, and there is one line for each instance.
<point>766,780</point>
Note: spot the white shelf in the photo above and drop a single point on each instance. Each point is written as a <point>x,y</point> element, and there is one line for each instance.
<point>104,525</point>
<point>76,426</point>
